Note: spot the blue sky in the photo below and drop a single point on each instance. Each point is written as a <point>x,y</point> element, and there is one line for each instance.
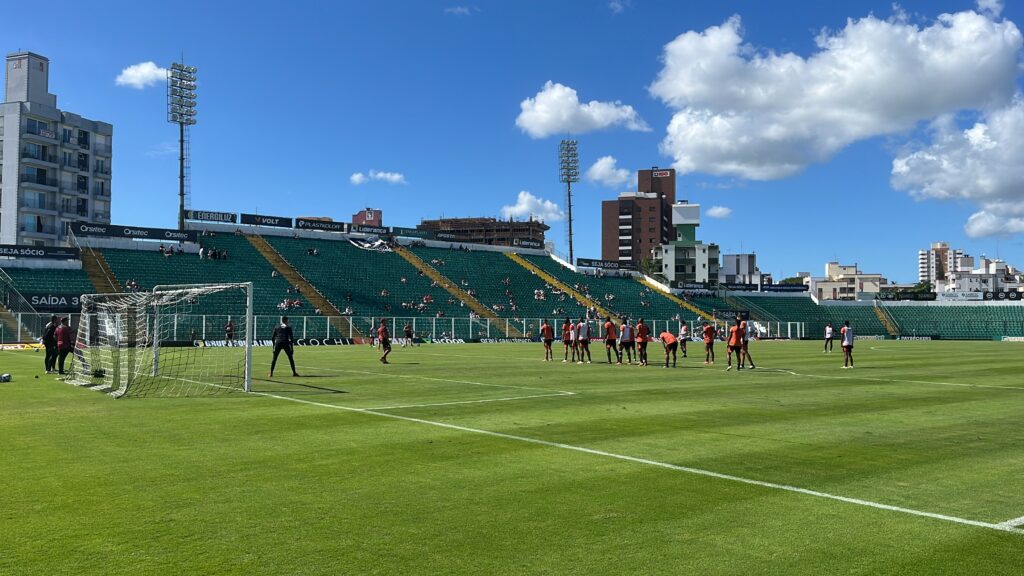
<point>296,99</point>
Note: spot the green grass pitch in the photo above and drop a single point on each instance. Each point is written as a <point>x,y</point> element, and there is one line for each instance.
<point>482,459</point>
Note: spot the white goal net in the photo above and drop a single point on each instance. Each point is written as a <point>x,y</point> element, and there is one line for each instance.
<point>144,343</point>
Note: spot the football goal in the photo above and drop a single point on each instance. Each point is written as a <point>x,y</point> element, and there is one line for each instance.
<point>144,343</point>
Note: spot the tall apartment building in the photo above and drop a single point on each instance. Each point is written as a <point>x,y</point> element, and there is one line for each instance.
<point>938,262</point>
<point>55,164</point>
<point>637,222</point>
<point>686,261</point>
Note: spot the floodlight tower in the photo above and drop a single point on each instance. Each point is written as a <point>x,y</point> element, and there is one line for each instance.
<point>181,110</point>
<point>569,172</point>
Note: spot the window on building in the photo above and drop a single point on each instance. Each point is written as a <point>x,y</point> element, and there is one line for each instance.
<point>83,138</point>
<point>83,184</point>
<point>650,208</point>
<point>66,135</point>
<point>650,219</point>
<point>69,159</point>
<point>83,207</point>
<point>650,230</point>
<point>83,161</point>
<point>35,126</point>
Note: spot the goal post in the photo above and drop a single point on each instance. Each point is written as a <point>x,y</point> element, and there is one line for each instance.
<point>157,343</point>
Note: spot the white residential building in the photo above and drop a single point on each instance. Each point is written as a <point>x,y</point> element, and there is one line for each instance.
<point>56,165</point>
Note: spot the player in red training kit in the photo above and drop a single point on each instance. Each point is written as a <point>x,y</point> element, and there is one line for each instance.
<point>709,343</point>
<point>642,334</point>
<point>611,337</point>
<point>669,342</point>
<point>569,340</point>
<point>547,335</point>
<point>384,341</point>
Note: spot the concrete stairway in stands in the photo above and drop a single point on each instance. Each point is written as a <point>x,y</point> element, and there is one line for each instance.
<point>99,272</point>
<point>454,289</point>
<point>643,280</point>
<point>341,323</point>
<point>888,321</point>
<point>589,303</point>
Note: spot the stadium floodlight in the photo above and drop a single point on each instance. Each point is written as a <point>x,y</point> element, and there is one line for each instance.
<point>569,172</point>
<point>181,110</point>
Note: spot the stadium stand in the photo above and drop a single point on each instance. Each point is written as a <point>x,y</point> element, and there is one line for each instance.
<point>977,322</point>
<point>500,284</point>
<point>630,298</point>
<point>243,264</point>
<point>367,282</point>
<point>50,280</point>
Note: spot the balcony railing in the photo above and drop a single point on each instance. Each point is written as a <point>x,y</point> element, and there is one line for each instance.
<point>105,192</point>
<point>42,132</point>
<point>83,144</point>
<point>27,179</point>
<point>102,216</point>
<point>102,149</point>
<point>41,157</point>
<point>103,170</point>
<point>38,205</point>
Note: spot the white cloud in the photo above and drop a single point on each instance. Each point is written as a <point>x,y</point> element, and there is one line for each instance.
<point>993,7</point>
<point>605,172</point>
<point>162,149</point>
<point>556,109</point>
<point>529,205</point>
<point>763,115</point>
<point>461,10</point>
<point>618,6</point>
<point>983,164</point>
<point>358,178</point>
<point>718,212</point>
<point>389,177</point>
<point>141,75</point>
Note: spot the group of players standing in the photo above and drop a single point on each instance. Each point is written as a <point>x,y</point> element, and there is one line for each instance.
<point>627,339</point>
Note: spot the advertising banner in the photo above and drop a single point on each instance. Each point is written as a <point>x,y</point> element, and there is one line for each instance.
<point>527,243</point>
<point>364,229</point>
<point>134,232</point>
<point>310,224</point>
<point>1003,296</point>
<point>605,264</point>
<point>49,252</point>
<point>960,296</point>
<point>264,220</point>
<point>784,288</point>
<point>411,232</point>
<point>207,216</point>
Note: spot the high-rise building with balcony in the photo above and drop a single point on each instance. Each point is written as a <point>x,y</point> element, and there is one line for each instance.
<point>55,164</point>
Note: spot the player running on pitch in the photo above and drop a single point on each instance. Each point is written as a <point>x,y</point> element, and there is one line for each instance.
<point>735,345</point>
<point>384,341</point>
<point>583,339</point>
<point>283,339</point>
<point>611,337</point>
<point>847,343</point>
<point>568,340</point>
<point>642,335</point>
<point>709,334</point>
<point>626,341</point>
<point>749,332</point>
<point>668,341</point>
<point>684,335</point>
<point>407,341</point>
<point>547,335</point>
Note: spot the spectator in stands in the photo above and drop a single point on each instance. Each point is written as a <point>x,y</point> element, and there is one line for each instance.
<point>161,249</point>
<point>202,252</point>
<point>180,249</point>
<point>403,280</point>
<point>273,273</point>
<point>224,255</point>
<point>347,311</point>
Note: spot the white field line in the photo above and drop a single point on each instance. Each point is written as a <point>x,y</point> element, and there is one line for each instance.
<point>1013,523</point>
<point>411,377</point>
<point>472,401</point>
<point>1003,527</point>
<point>836,377</point>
